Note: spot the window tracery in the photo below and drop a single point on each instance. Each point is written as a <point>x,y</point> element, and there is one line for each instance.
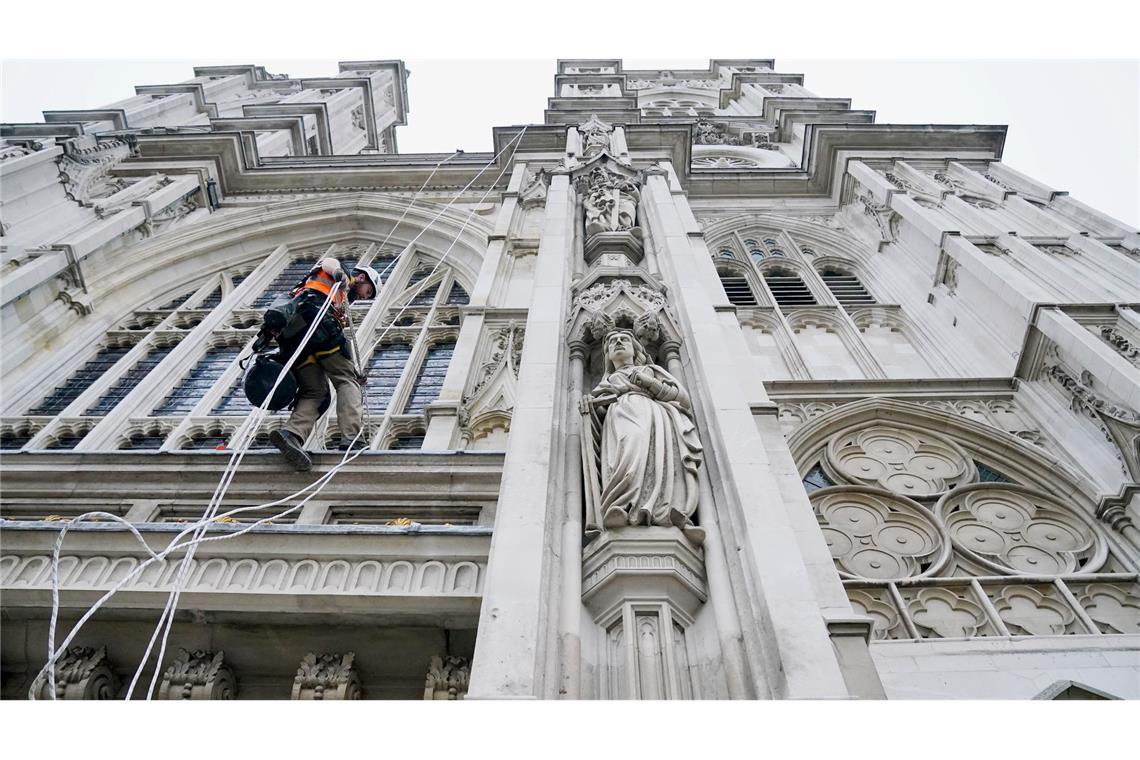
<point>203,402</point>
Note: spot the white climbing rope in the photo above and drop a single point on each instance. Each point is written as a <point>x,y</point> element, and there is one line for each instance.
<point>240,443</point>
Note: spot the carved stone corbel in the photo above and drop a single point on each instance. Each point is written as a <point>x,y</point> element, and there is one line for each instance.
<point>447,678</point>
<point>198,675</point>
<point>327,676</point>
<point>82,673</point>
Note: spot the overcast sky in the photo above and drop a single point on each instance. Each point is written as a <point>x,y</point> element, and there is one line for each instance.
<point>1072,124</point>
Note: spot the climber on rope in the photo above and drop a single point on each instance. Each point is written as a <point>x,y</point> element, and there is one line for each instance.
<point>326,357</point>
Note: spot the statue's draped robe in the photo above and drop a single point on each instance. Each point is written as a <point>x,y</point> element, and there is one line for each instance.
<point>649,451</point>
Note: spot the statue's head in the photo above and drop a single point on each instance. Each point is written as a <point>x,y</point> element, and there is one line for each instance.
<point>622,348</point>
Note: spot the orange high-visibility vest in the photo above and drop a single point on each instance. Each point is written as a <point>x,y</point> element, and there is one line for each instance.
<point>321,282</point>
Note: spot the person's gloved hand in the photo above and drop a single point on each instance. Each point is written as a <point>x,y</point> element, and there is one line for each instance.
<point>332,268</point>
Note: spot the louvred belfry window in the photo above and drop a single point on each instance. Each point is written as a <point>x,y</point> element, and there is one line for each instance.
<point>846,288</point>
<point>788,289</point>
<point>737,289</point>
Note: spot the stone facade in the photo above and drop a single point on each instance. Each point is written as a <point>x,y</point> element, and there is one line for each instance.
<point>706,388</point>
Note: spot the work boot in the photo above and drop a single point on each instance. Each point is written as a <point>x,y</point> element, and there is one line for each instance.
<point>292,448</point>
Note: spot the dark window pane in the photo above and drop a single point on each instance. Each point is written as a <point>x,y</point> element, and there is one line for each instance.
<point>129,380</point>
<point>144,441</point>
<point>289,277</point>
<point>407,442</point>
<point>430,380</point>
<point>384,370</point>
<point>457,296</point>
<point>195,385</point>
<point>83,379</point>
<point>986,475</point>
<point>426,297</point>
<point>212,300</point>
<point>816,479</point>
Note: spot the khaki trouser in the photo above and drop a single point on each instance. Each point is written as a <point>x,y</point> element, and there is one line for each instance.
<point>312,382</point>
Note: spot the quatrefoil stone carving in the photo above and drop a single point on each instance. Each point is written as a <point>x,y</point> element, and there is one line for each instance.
<point>901,461</point>
<point>875,535</point>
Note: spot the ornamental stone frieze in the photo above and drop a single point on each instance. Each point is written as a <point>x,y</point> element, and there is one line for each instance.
<point>197,675</point>
<point>82,673</point>
<point>1119,425</point>
<point>328,676</point>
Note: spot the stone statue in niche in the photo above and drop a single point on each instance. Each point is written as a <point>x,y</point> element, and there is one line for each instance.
<point>610,202</point>
<point>641,451</point>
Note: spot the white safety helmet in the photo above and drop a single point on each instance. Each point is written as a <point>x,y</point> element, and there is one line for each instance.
<point>373,277</point>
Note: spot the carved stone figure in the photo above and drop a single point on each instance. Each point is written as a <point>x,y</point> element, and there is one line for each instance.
<point>642,451</point>
<point>610,202</point>
<point>595,136</point>
<point>82,673</point>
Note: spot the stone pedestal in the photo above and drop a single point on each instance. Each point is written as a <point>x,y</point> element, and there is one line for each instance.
<point>643,586</point>
<point>618,249</point>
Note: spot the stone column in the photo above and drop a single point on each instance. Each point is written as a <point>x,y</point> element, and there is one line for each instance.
<point>509,656</point>
<point>570,614</point>
<point>790,654</point>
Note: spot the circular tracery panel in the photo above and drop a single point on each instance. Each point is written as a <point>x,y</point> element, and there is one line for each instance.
<point>903,462</point>
<point>876,535</point>
<point>1014,530</point>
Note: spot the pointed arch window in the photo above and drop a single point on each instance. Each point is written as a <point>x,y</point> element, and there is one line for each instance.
<point>197,384</point>
<point>430,380</point>
<point>846,288</point>
<point>384,371</point>
<point>737,289</point>
<point>292,274</point>
<point>788,289</point>
<point>129,380</point>
<point>86,376</point>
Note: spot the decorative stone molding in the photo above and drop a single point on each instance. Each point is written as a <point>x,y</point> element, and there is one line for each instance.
<point>601,308</point>
<point>643,587</point>
<point>447,678</point>
<point>642,563</point>
<point>596,136</point>
<point>1114,608</point>
<point>327,676</point>
<point>82,673</point>
<point>886,623</point>
<point>490,403</point>
<point>252,575</point>
<point>533,194</point>
<point>1033,610</point>
<point>907,463</point>
<point>876,535</point>
<point>1120,426</point>
<point>198,675</point>
<point>946,612</point>
<point>84,171</point>
<point>1006,529</point>
<point>1121,344</point>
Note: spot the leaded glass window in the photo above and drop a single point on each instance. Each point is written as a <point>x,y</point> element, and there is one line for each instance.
<point>384,371</point>
<point>987,475</point>
<point>846,288</point>
<point>426,297</point>
<point>430,380</point>
<point>84,378</point>
<point>816,479</point>
<point>403,442</point>
<point>285,280</point>
<point>457,296</point>
<point>197,384</point>
<point>127,382</point>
